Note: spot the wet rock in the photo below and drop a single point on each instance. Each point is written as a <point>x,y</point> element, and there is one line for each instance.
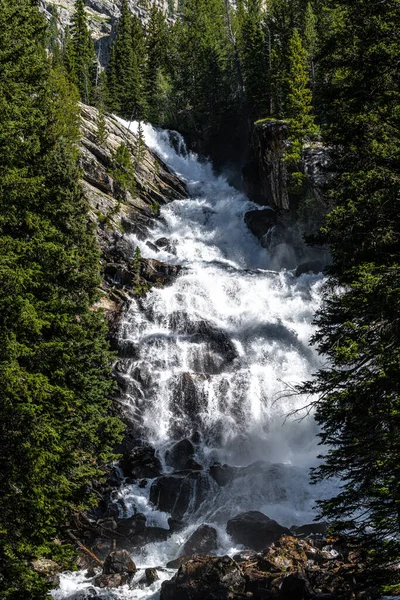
<point>255,530</point>
<point>152,246</point>
<point>175,525</point>
<point>204,577</point>
<point>180,453</point>
<point>203,541</point>
<point>310,529</point>
<point>204,332</point>
<point>312,266</point>
<point>112,580</point>
<point>193,465</point>
<point>260,221</point>
<point>189,397</point>
<point>173,493</point>
<point>178,562</point>
<point>157,272</point>
<point>151,576</point>
<point>141,462</point>
<point>156,534</point>
<point>162,242</point>
<point>118,569</point>
<point>132,527</point>
<point>222,474</point>
<point>119,561</point>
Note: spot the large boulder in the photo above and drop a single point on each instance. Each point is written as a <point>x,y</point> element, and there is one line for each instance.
<point>180,454</point>
<point>119,561</point>
<point>133,527</point>
<point>205,578</point>
<point>173,493</point>
<point>260,221</point>
<point>141,462</point>
<point>118,569</point>
<point>255,530</point>
<point>203,541</point>
<point>222,474</point>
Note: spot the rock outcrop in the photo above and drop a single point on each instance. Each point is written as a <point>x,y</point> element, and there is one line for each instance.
<point>291,569</point>
<point>292,212</point>
<point>118,569</point>
<point>265,173</point>
<point>255,530</point>
<point>116,212</point>
<point>214,578</point>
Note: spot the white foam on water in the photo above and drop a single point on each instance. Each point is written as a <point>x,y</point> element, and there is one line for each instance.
<point>218,353</point>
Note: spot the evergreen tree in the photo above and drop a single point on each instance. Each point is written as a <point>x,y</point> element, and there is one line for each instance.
<point>156,43</point>
<point>255,59</point>
<point>299,100</point>
<point>125,70</point>
<point>358,405</point>
<point>311,39</point>
<point>140,149</point>
<point>83,52</point>
<point>101,125</point>
<point>68,56</point>
<point>55,380</point>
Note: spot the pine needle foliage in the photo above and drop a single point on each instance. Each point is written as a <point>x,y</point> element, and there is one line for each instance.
<point>56,431</point>
<point>358,393</point>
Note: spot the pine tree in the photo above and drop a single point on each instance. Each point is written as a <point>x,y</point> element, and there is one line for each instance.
<point>255,59</point>
<point>101,125</point>
<point>299,102</point>
<point>156,43</point>
<point>55,380</point>
<point>140,149</point>
<point>358,392</point>
<point>125,70</point>
<point>68,56</point>
<point>83,52</point>
<point>311,39</point>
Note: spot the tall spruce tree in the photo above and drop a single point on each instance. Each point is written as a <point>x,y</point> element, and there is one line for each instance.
<point>299,101</point>
<point>126,94</point>
<point>55,380</point>
<point>157,45</point>
<point>84,58</point>
<point>358,393</point>
<point>255,59</point>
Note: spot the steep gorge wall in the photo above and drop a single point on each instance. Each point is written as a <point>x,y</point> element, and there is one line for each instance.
<point>289,214</point>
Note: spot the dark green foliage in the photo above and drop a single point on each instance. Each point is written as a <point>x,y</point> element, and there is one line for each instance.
<point>56,432</point>
<point>358,326</point>
<point>122,168</point>
<point>156,46</point>
<point>83,56</point>
<point>298,102</point>
<point>140,148</point>
<point>101,126</point>
<point>255,56</point>
<point>126,66</point>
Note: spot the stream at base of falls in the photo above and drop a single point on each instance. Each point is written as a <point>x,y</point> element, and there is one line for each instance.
<point>216,355</point>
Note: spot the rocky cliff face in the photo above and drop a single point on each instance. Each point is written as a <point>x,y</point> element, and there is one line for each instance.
<point>103,16</point>
<point>265,173</point>
<point>117,213</point>
<point>281,227</point>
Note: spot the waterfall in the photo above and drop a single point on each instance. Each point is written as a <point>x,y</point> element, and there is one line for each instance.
<point>216,354</point>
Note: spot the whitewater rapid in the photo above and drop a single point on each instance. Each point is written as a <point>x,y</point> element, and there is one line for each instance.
<point>217,354</point>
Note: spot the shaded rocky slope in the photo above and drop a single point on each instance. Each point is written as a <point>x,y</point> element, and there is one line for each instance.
<point>116,212</point>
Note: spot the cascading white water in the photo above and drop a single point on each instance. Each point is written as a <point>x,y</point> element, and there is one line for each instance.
<point>216,355</point>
